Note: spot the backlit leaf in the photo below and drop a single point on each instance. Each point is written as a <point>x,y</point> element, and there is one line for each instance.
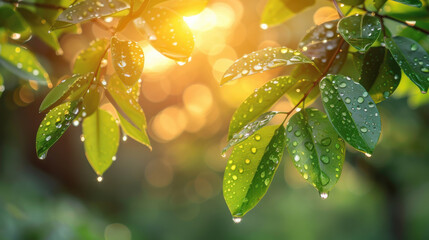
<point>412,3</point>
<point>101,143</point>
<point>22,63</point>
<point>17,28</point>
<point>412,59</point>
<point>185,7</point>
<point>278,11</point>
<point>351,111</point>
<point>126,102</point>
<point>89,58</point>
<point>380,75</point>
<point>54,125</point>
<point>87,10</point>
<point>360,31</point>
<point>315,148</point>
<point>263,60</point>
<point>91,100</point>
<point>127,59</point>
<point>139,135</point>
<point>259,102</point>
<point>168,33</point>
<point>251,168</point>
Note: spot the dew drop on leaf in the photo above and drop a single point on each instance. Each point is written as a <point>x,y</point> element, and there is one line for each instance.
<point>236,220</point>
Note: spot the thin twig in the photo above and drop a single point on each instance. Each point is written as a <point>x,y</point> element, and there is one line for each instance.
<point>338,8</point>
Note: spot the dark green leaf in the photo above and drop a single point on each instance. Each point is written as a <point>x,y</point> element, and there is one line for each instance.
<point>23,63</point>
<point>168,33</point>
<point>360,31</point>
<point>89,59</point>
<point>54,125</point>
<point>128,60</point>
<point>59,92</point>
<point>412,3</point>
<point>249,129</point>
<point>41,28</point>
<point>380,74</point>
<point>139,135</point>
<point>278,11</point>
<point>351,111</point>
<point>87,10</point>
<point>101,133</point>
<point>126,102</point>
<point>315,149</point>
<point>91,100</point>
<point>412,59</point>
<point>15,25</point>
<point>263,60</point>
<point>251,168</point>
<point>259,102</point>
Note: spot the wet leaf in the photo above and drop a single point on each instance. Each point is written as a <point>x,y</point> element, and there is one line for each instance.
<point>412,3</point>
<point>412,58</point>
<point>101,133</point>
<point>40,27</point>
<point>54,125</point>
<point>249,129</point>
<point>16,27</point>
<point>126,102</point>
<point>185,7</point>
<point>87,10</point>
<point>360,31</point>
<point>91,100</point>
<point>251,168</point>
<point>127,59</point>
<point>279,11</point>
<point>168,33</point>
<point>315,148</point>
<point>258,102</point>
<point>263,60</point>
<point>137,134</point>
<point>23,63</point>
<point>351,111</point>
<point>380,75</point>
<point>62,90</point>
<point>376,4</point>
<point>89,58</point>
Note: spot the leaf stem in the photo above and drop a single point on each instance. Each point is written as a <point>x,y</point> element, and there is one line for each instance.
<point>338,8</point>
<point>132,15</point>
<point>36,4</point>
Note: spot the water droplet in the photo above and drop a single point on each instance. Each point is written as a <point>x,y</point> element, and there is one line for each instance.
<point>324,179</point>
<point>253,150</point>
<point>309,146</point>
<point>257,137</point>
<point>267,181</point>
<point>264,26</point>
<point>364,129</point>
<point>360,99</point>
<point>325,159</point>
<point>414,47</point>
<point>296,158</point>
<point>43,156</point>
<point>326,141</point>
<point>236,220</point>
<point>247,161</point>
<point>347,100</point>
<point>324,195</point>
<point>297,133</point>
<point>368,155</point>
<point>99,178</point>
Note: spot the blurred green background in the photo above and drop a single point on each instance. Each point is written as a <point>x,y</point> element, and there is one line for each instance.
<point>174,192</point>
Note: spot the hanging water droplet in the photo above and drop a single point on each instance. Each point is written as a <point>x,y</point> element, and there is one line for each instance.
<point>99,178</point>
<point>43,156</point>
<point>264,26</point>
<point>236,220</point>
<point>368,155</point>
<point>324,195</point>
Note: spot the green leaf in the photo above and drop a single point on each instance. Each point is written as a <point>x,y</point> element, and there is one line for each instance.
<point>251,168</point>
<point>351,2</point>
<point>185,7</point>
<point>263,60</point>
<point>89,58</point>
<point>137,134</point>
<point>380,75</point>
<point>23,63</point>
<point>126,102</point>
<point>87,10</point>
<point>351,111</point>
<point>412,3</point>
<point>101,143</point>
<point>41,28</point>
<point>412,59</point>
<point>15,25</point>
<point>315,148</point>
<point>360,31</point>
<point>249,129</point>
<point>91,100</point>
<point>259,102</point>
<point>1,85</point>
<point>278,11</point>
<point>128,60</point>
<point>168,33</point>
<point>375,5</point>
<point>54,125</point>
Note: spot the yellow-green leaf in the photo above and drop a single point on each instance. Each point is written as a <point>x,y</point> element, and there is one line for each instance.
<point>127,59</point>
<point>89,58</point>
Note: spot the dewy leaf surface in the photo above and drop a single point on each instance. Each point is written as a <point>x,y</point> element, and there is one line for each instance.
<point>128,60</point>
<point>259,102</point>
<point>351,111</point>
<point>360,31</point>
<point>89,58</point>
<point>139,135</point>
<point>23,63</point>
<point>412,3</point>
<point>412,58</point>
<point>263,60</point>
<point>101,143</point>
<point>54,125</point>
<point>168,33</point>
<point>380,75</point>
<point>278,11</point>
<point>87,10</point>
<point>251,168</point>
<point>315,148</point>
